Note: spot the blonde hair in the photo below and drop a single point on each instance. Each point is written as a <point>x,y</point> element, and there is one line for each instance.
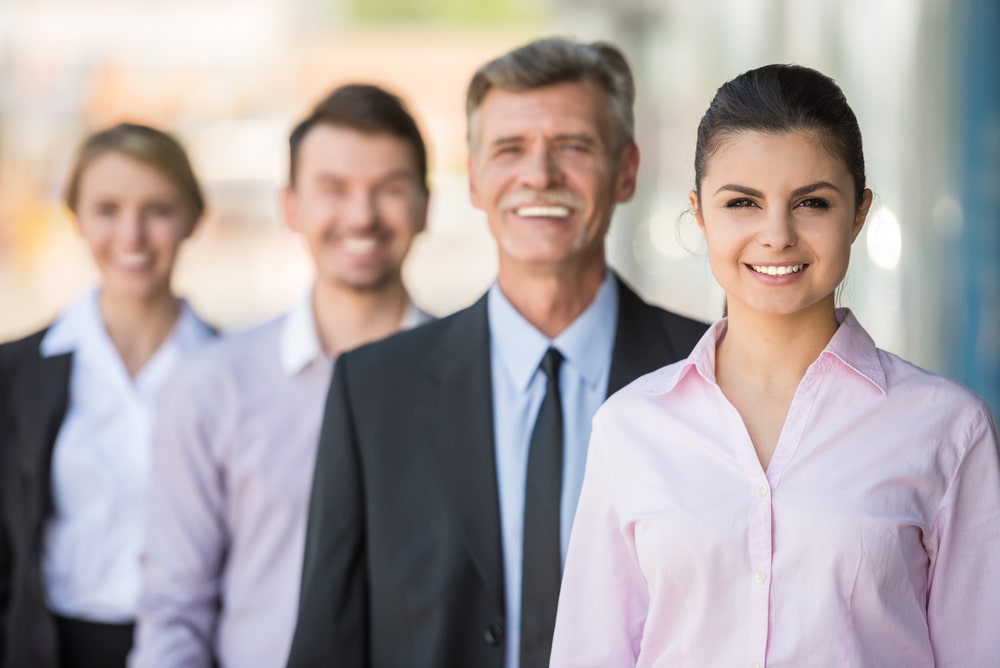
<point>147,145</point>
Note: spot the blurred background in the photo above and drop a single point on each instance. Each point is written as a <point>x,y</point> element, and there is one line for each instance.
<point>231,77</point>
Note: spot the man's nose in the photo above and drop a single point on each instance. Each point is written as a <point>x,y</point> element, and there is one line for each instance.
<point>360,211</point>
<point>541,171</point>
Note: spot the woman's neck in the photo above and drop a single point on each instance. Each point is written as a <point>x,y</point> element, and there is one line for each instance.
<point>138,327</point>
<point>775,350</point>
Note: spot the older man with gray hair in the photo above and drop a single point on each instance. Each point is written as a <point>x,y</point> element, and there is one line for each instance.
<point>451,457</point>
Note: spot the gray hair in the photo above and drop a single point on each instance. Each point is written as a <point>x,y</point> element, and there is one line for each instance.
<point>554,60</point>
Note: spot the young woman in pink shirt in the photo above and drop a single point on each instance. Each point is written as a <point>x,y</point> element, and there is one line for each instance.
<point>789,495</point>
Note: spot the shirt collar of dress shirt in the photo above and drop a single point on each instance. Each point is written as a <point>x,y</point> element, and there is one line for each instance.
<point>850,344</point>
<point>80,326</point>
<point>521,346</point>
<point>299,340</point>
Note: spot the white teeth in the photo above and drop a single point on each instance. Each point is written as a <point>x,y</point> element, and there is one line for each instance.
<point>542,211</point>
<point>360,246</point>
<point>132,260</point>
<point>771,270</point>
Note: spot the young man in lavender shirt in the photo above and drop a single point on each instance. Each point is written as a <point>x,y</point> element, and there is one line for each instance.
<point>240,424</point>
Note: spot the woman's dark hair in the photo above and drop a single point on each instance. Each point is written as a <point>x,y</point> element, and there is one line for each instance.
<point>778,99</point>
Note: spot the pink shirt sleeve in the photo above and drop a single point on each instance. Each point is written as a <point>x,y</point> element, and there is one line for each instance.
<point>186,537</point>
<point>964,595</point>
<point>604,598</point>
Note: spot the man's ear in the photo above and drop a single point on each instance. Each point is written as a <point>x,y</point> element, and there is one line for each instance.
<point>628,170</point>
<point>423,209</point>
<point>470,166</point>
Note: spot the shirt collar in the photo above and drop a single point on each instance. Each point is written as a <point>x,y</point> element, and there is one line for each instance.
<point>81,326</point>
<point>414,316</point>
<point>585,345</point>
<point>853,346</point>
<point>299,341</point>
<point>850,344</point>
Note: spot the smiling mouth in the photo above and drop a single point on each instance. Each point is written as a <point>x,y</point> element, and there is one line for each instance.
<point>772,270</point>
<point>132,260</point>
<point>543,211</point>
<point>359,245</point>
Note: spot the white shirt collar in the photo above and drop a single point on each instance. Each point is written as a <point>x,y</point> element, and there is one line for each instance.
<point>80,326</point>
<point>299,340</point>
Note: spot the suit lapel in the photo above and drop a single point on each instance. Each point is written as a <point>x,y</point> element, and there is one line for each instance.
<point>641,344</point>
<point>40,406</point>
<point>459,408</point>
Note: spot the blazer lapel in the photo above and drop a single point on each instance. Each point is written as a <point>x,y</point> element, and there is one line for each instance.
<point>641,345</point>
<point>459,408</point>
<point>39,407</point>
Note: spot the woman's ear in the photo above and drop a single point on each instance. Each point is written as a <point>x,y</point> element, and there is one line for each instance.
<point>862,213</point>
<point>695,209</point>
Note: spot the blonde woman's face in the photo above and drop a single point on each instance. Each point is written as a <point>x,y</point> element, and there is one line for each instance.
<point>133,219</point>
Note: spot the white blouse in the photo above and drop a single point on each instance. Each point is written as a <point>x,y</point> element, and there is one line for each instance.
<point>101,463</point>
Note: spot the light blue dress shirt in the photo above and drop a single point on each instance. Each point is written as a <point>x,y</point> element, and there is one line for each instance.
<point>516,350</point>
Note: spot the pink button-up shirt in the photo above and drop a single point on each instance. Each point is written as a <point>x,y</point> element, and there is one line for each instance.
<point>873,538</point>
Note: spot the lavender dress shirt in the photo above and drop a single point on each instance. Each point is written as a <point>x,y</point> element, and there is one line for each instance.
<point>873,538</point>
<point>239,427</point>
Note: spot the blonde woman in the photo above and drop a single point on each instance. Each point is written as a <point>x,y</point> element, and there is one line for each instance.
<point>77,406</point>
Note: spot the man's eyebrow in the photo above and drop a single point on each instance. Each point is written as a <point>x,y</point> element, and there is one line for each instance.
<point>577,136</point>
<point>508,139</point>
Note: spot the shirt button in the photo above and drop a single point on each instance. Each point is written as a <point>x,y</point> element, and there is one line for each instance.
<point>760,577</point>
<point>755,665</point>
<point>761,492</point>
<point>493,634</point>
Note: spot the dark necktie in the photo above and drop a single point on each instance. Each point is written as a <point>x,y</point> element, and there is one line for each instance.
<point>541,565</point>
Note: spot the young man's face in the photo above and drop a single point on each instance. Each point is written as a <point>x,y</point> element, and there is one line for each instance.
<point>359,202</point>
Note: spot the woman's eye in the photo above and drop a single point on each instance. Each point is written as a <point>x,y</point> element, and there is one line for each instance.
<point>740,203</point>
<point>815,203</point>
<point>106,209</point>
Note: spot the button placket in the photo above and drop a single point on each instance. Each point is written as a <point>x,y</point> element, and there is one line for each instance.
<point>760,559</point>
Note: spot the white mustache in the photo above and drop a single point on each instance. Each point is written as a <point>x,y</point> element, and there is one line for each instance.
<point>522,197</point>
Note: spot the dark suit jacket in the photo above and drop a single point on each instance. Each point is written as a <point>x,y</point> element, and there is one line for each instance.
<point>403,562</point>
<point>33,400</point>
<point>34,394</point>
